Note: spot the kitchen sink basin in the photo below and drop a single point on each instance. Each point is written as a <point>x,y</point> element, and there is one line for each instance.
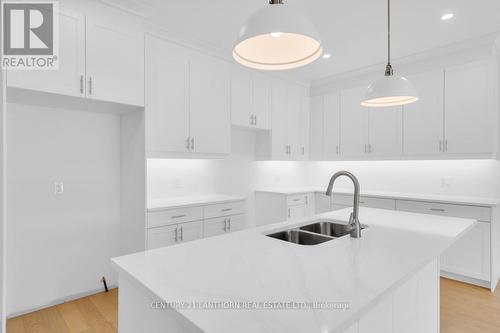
<point>314,233</point>
<point>300,237</point>
<point>328,228</point>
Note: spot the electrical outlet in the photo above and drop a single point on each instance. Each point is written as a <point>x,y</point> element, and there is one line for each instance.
<point>58,188</point>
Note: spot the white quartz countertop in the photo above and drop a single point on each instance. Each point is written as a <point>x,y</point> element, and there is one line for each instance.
<point>247,266</point>
<point>187,201</point>
<point>453,199</point>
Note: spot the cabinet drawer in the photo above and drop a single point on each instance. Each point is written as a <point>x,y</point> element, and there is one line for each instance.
<point>224,209</point>
<point>294,200</point>
<point>174,216</point>
<point>348,200</point>
<point>377,203</point>
<point>342,199</point>
<point>471,212</point>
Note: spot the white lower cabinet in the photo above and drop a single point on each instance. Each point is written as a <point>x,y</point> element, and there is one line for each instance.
<point>469,258</point>
<point>183,224</point>
<point>173,234</point>
<point>221,225</point>
<point>413,307</point>
<point>278,207</point>
<point>470,255</point>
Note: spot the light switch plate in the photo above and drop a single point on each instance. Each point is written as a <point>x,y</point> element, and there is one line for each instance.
<point>58,188</point>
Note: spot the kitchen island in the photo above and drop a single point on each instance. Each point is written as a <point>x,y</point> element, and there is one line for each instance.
<point>385,281</point>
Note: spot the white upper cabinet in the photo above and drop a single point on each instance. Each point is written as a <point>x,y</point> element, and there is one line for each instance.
<point>250,99</point>
<point>385,132</point>
<point>69,79</point>
<point>304,129</point>
<point>187,101</point>
<point>279,133</point>
<point>115,63</point>
<point>470,119</point>
<point>423,121</point>
<point>210,126</point>
<point>241,98</point>
<point>289,136</point>
<point>167,117</point>
<point>261,89</point>
<point>354,123</point>
<point>331,126</point>
<point>97,60</point>
<point>316,122</point>
<point>454,116</point>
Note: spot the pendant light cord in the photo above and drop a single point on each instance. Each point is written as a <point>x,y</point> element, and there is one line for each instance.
<point>388,68</point>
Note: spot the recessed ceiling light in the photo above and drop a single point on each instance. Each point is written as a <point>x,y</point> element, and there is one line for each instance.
<point>327,56</point>
<point>447,16</point>
<point>276,34</point>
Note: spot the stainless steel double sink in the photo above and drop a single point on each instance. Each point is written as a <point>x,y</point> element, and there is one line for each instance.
<point>314,233</point>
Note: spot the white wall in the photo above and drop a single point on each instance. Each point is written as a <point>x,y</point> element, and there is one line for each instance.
<point>60,245</point>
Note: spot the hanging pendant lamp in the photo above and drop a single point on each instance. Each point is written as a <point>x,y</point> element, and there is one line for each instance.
<point>391,90</point>
<point>277,37</point>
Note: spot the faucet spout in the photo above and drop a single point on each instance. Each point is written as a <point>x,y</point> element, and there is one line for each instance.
<point>354,219</point>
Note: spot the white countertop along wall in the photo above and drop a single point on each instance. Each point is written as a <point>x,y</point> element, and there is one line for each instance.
<point>252,267</point>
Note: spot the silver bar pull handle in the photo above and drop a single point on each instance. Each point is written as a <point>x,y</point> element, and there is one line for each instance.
<point>178,216</point>
<point>251,120</point>
<point>255,117</point>
<point>192,143</point>
<point>289,215</point>
<point>225,225</point>
<point>90,85</point>
<point>176,234</point>
<point>445,145</point>
<point>81,84</point>
<point>437,210</point>
<point>226,209</point>
<point>229,224</point>
<point>188,147</point>
<point>182,234</point>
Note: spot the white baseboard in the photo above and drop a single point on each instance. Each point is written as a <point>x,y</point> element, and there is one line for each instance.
<point>469,280</point>
<point>60,301</point>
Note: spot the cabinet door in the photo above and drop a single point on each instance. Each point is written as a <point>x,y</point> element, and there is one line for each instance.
<point>261,102</point>
<point>190,231</point>
<point>162,236</point>
<point>167,117</point>
<point>69,79</point>
<point>293,117</point>
<point>215,226</point>
<point>354,122</point>
<point>115,64</point>
<point>386,126</point>
<point>469,116</point>
<point>331,127</point>
<point>316,125</point>
<point>470,255</point>
<point>210,124</point>
<point>423,120</point>
<point>303,129</point>
<point>296,212</point>
<point>378,319</point>
<point>279,123</point>
<point>310,204</point>
<point>241,98</point>
<point>236,223</point>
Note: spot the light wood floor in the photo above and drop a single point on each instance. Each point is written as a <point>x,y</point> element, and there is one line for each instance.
<point>464,309</point>
<point>93,314</point>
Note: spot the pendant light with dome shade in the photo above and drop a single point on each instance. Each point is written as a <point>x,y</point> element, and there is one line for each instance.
<point>391,90</point>
<point>277,37</point>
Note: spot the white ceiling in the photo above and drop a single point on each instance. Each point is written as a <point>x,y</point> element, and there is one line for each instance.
<point>353,31</point>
